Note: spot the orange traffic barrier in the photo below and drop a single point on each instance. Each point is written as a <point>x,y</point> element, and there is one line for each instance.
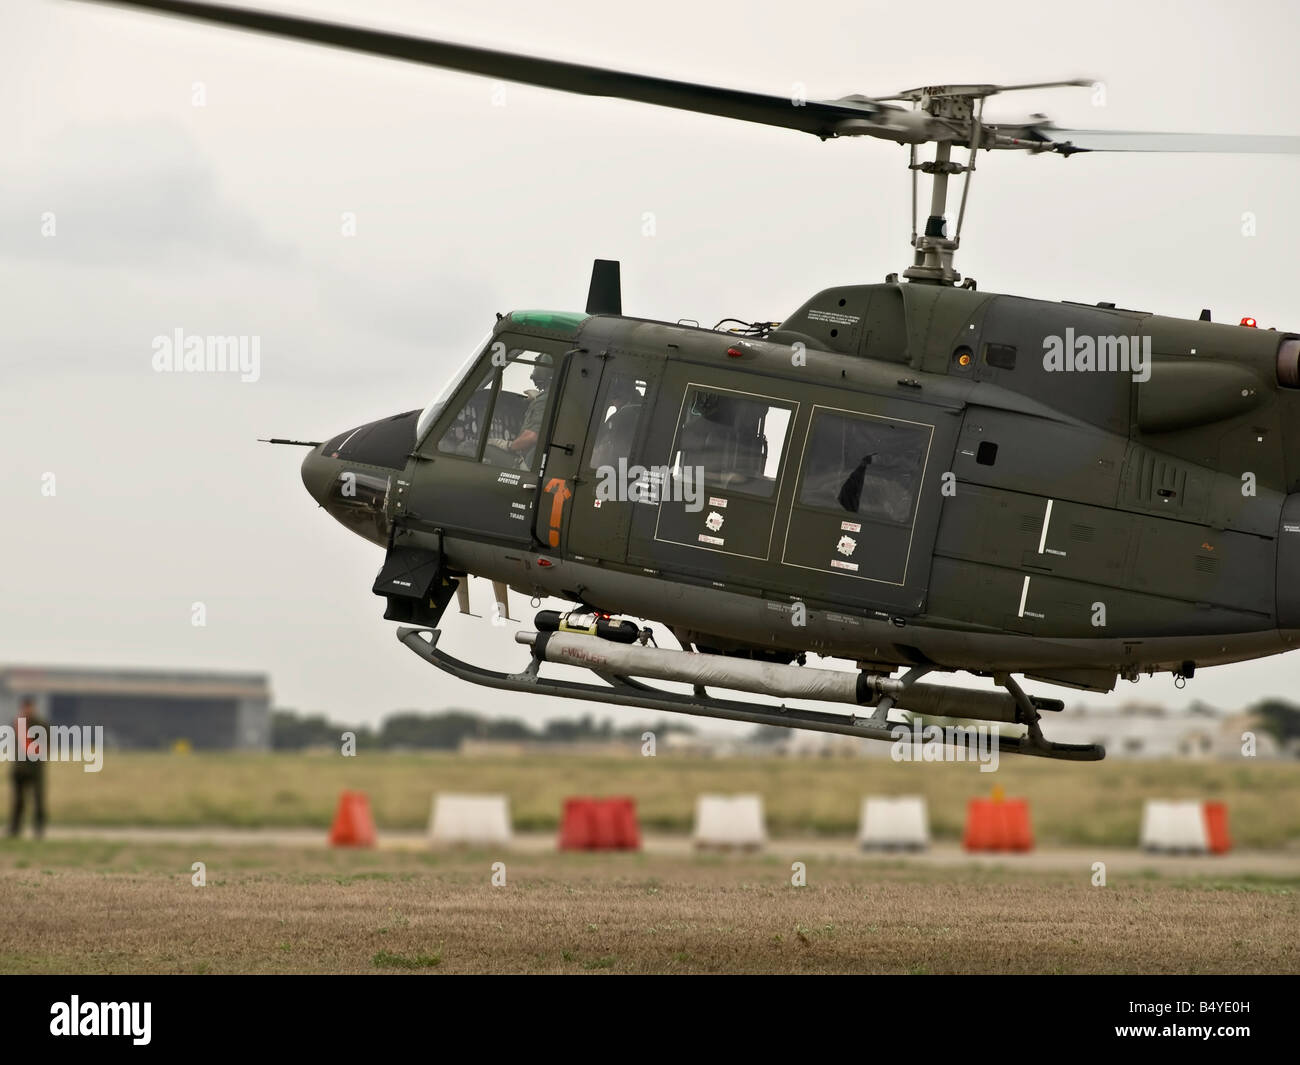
<point>599,825</point>
<point>353,826</point>
<point>1216,828</point>
<point>998,824</point>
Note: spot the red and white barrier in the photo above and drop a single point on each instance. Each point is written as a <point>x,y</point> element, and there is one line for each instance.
<point>894,823</point>
<point>469,820</point>
<point>998,824</point>
<point>729,822</point>
<point>599,825</point>
<point>1185,827</point>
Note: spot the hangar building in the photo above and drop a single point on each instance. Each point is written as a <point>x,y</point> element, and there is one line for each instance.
<point>145,710</point>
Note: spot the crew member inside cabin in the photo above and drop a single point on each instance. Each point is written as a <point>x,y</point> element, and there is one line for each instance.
<point>27,774</point>
<point>525,443</point>
<point>615,436</point>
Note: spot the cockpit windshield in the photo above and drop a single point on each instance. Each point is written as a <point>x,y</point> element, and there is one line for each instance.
<point>500,422</point>
<point>431,412</point>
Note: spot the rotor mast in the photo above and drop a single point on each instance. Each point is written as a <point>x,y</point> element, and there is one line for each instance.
<point>934,249</point>
<point>961,107</point>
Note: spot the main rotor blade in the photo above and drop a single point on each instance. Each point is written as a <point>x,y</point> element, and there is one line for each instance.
<point>979,92</point>
<point>1123,140</point>
<point>1072,83</point>
<point>818,118</point>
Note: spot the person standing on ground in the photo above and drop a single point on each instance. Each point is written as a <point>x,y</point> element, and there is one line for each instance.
<point>27,775</point>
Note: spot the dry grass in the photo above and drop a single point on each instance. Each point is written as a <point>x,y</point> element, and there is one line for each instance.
<point>1094,804</point>
<point>112,908</point>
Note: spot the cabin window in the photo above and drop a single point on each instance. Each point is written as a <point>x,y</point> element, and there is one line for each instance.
<point>431,412</point>
<point>622,404</point>
<point>1000,356</point>
<point>520,410</point>
<point>734,439</point>
<point>464,435</point>
<point>500,423</point>
<point>864,465</point>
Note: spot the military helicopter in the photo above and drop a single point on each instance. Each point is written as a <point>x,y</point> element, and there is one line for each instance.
<point>914,476</point>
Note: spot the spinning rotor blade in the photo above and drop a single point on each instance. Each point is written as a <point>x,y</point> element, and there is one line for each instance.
<point>1124,140</point>
<point>942,113</point>
<point>820,119</point>
<point>982,91</point>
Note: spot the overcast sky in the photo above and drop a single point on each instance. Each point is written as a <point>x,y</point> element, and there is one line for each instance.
<point>226,219</point>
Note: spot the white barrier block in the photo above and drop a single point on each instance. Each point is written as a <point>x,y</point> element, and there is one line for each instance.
<point>476,820</point>
<point>1174,826</point>
<point>898,822</point>
<point>729,821</point>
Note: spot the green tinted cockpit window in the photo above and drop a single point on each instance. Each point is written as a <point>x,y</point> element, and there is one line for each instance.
<point>560,321</point>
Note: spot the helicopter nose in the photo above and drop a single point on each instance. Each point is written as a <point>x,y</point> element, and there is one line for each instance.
<point>318,473</point>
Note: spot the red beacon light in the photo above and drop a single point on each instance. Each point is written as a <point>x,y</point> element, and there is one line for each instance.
<point>1249,323</point>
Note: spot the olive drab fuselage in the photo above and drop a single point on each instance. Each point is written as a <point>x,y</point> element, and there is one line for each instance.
<point>1007,512</point>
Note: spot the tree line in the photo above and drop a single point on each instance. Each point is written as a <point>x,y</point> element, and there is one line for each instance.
<point>444,731</point>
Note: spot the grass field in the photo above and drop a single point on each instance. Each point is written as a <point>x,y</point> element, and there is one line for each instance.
<point>118,908</point>
<point>1073,804</point>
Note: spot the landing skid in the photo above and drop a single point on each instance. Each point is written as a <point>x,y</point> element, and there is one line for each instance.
<point>627,691</point>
